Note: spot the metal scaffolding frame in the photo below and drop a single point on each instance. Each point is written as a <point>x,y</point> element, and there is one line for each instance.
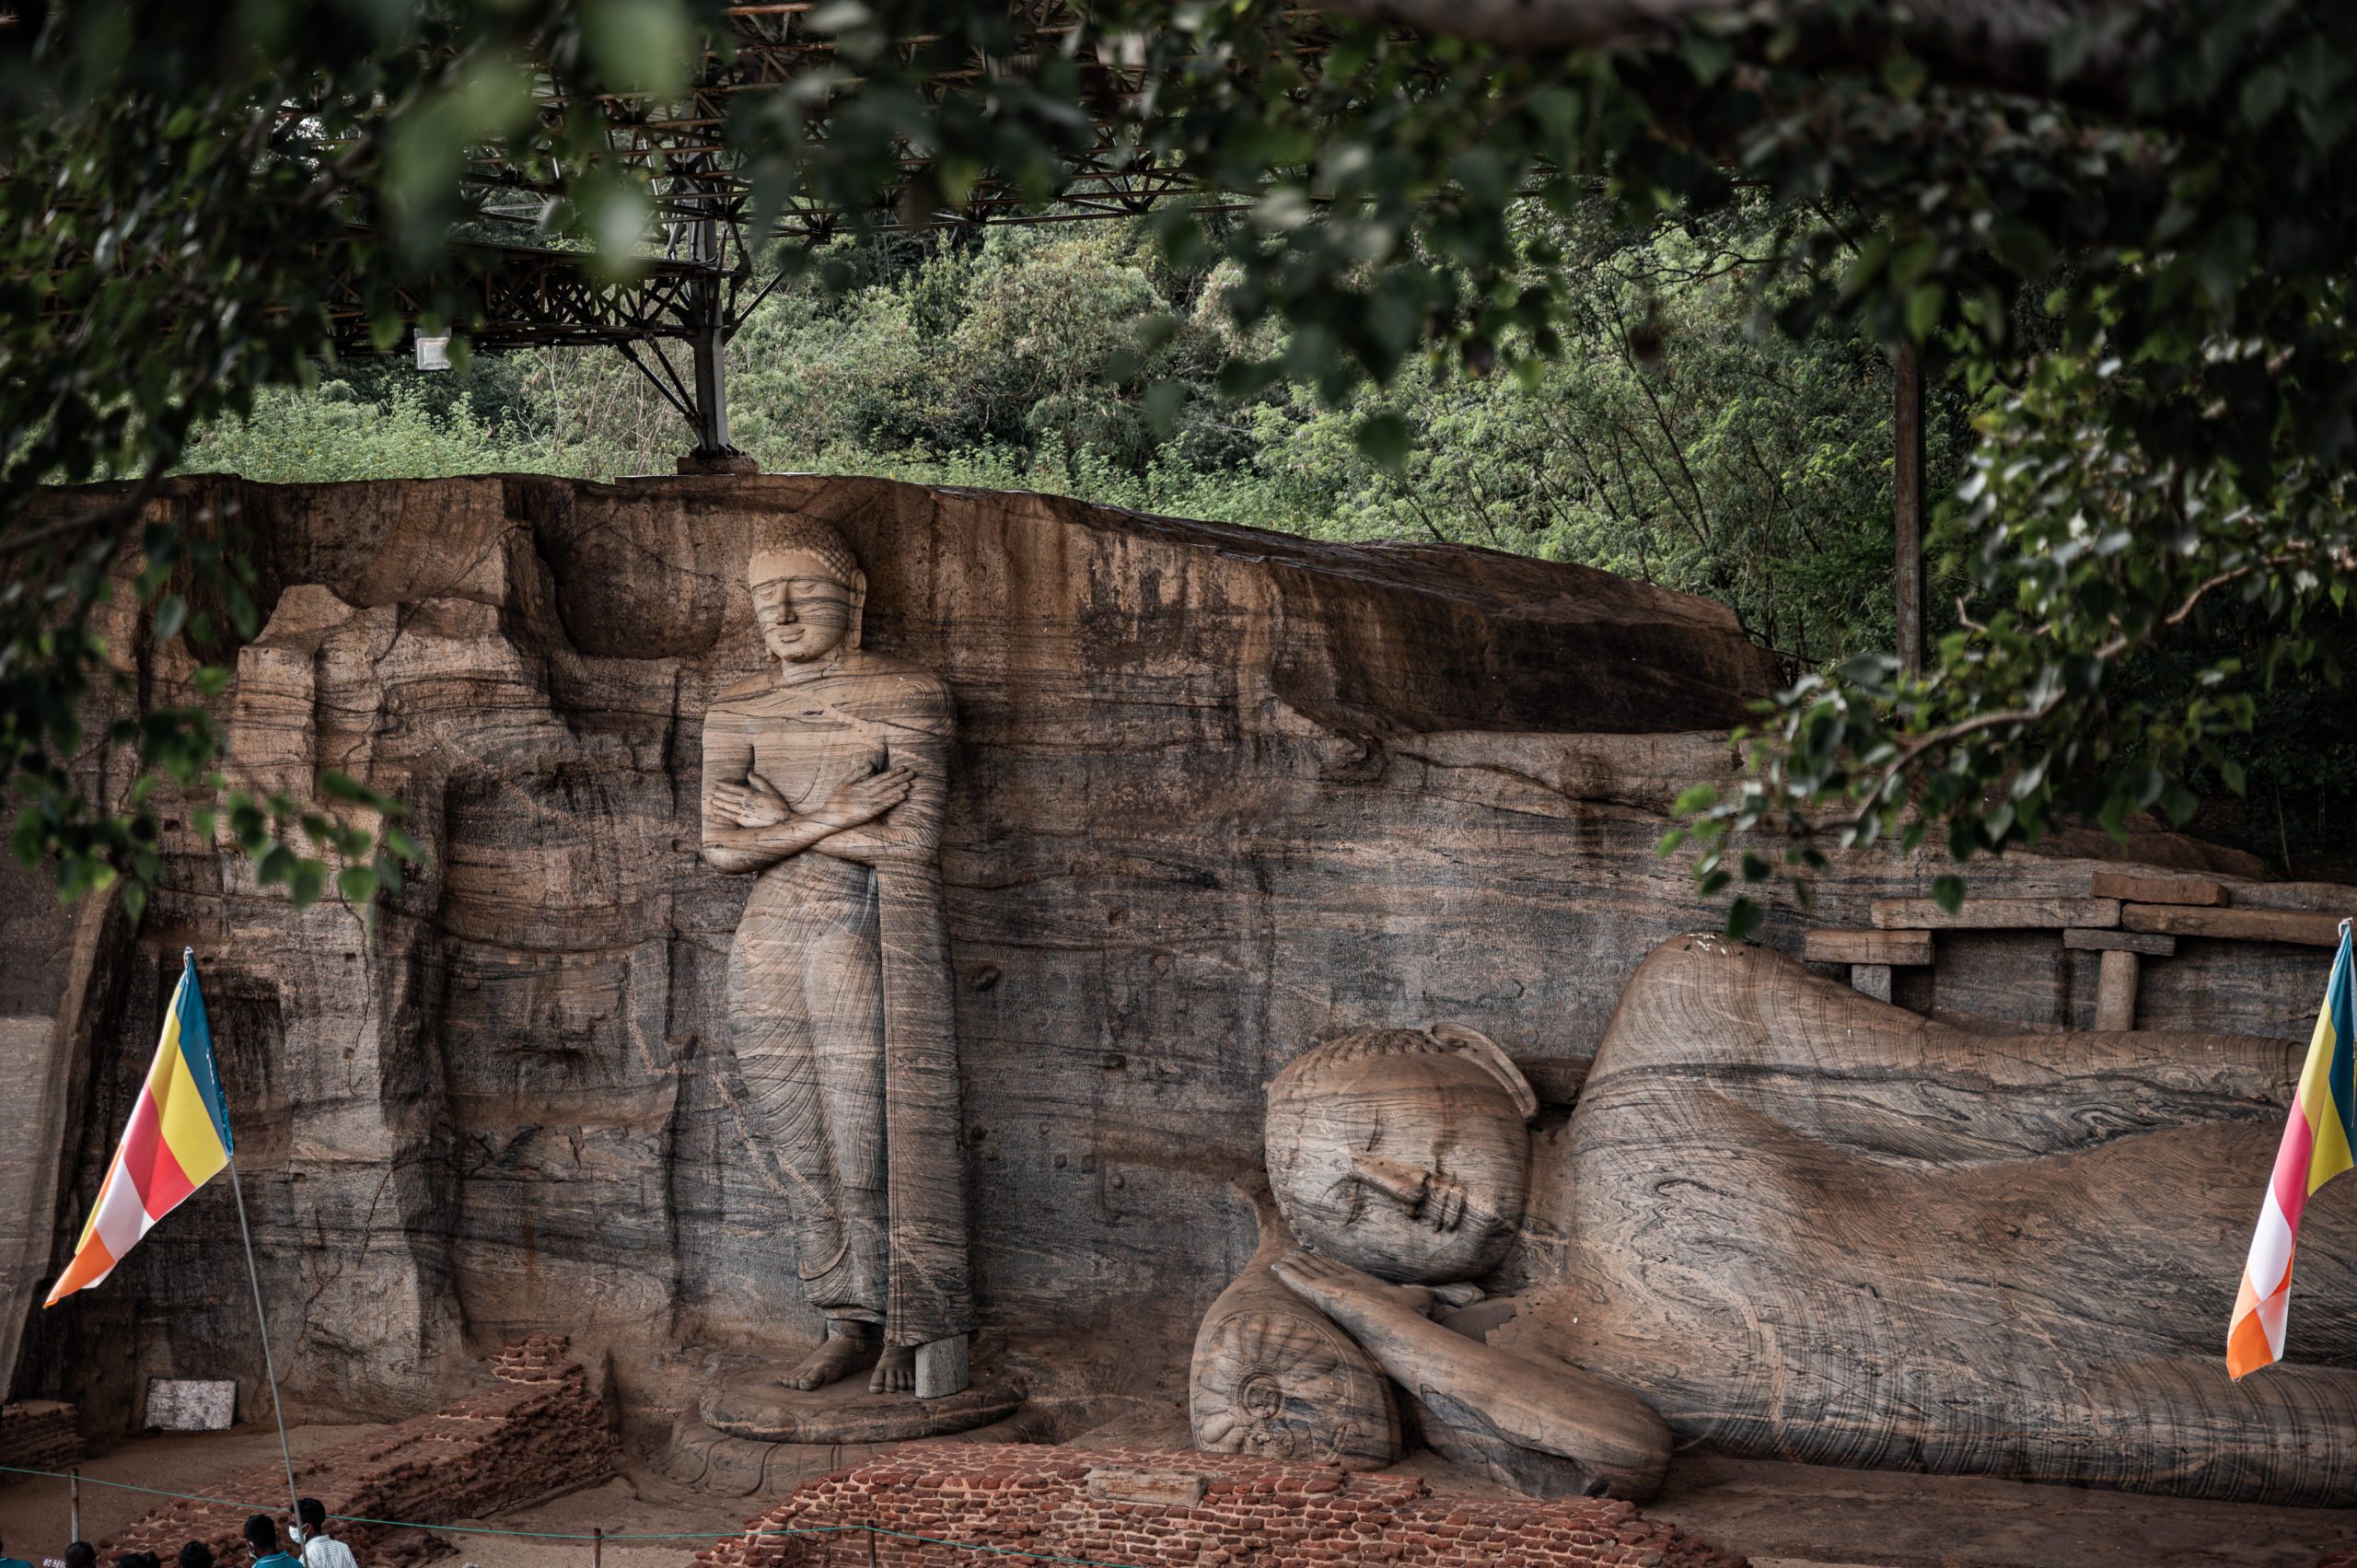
<point>700,290</point>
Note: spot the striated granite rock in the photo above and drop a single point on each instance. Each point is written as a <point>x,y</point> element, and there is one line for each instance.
<point>1216,794</point>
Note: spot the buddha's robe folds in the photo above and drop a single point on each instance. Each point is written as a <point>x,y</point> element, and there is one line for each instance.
<point>837,993</point>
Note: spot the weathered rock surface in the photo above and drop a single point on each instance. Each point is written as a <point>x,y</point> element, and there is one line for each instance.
<point>55,965</point>
<point>1216,793</point>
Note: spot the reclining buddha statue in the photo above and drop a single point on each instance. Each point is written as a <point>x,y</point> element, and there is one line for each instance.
<point>1800,1223</point>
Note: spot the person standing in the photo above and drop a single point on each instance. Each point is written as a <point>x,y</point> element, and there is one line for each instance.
<point>8,1562</point>
<point>320,1549</point>
<point>262,1536</point>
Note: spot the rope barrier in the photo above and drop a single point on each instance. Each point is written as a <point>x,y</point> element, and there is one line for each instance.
<point>416,1525</point>
<point>871,1531</point>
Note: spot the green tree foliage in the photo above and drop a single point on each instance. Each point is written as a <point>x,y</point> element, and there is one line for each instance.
<point>338,432</point>
<point>2125,242</point>
<point>186,188</point>
<point>1670,440</point>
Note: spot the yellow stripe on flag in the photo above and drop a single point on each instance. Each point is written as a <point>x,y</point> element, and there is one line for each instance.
<point>188,1127</point>
<point>168,1047</point>
<point>2331,1154</point>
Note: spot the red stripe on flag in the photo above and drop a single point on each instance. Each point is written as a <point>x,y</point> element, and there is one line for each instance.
<point>2292,1158</point>
<point>148,1161</point>
<point>141,1142</point>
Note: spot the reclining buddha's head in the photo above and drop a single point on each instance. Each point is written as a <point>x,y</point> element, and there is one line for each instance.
<point>1402,1152</point>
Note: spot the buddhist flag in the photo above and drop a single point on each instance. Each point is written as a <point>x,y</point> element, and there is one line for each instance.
<point>178,1140</point>
<point>2316,1148</point>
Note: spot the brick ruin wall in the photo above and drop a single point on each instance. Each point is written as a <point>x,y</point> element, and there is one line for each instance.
<point>1166,1509</point>
<point>539,1432</point>
<point>39,1435</point>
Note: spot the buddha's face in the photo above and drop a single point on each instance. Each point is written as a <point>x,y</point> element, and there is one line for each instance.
<point>1394,1154</point>
<point>803,611</point>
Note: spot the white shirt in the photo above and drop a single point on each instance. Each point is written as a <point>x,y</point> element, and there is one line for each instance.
<point>326,1551</point>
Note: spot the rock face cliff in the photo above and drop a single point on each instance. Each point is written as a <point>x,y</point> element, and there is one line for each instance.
<point>1216,793</point>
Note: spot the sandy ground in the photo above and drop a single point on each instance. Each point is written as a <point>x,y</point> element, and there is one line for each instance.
<point>33,1512</point>
<point>1811,1517</point>
<point>628,1506</point>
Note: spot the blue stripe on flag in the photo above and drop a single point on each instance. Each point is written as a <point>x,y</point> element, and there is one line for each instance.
<point>2341,1006</point>
<point>196,1045</point>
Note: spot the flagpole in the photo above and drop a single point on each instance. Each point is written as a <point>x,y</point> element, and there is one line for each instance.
<point>269,1369</point>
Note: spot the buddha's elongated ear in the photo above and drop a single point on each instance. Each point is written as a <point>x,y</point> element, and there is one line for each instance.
<point>858,607</point>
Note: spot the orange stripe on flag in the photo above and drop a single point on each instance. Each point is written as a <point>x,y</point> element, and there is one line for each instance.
<point>90,1265</point>
<point>2246,1347</point>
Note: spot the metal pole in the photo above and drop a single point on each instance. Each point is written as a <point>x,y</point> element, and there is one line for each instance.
<point>711,392</point>
<point>74,1504</point>
<point>871,1544</point>
<point>1907,472</point>
<point>710,345</point>
<point>596,1546</point>
<point>270,1368</point>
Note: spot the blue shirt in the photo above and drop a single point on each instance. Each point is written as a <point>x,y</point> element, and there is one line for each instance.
<point>13,1562</point>
<point>276,1559</point>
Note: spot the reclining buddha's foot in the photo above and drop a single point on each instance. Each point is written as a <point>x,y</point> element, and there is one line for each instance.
<point>896,1371</point>
<point>848,1347</point>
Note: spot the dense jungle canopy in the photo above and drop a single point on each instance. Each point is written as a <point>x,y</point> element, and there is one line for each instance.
<point>1618,284</point>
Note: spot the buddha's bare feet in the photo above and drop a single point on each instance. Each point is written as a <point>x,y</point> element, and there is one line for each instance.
<point>1335,1288</point>
<point>847,1347</point>
<point>896,1371</point>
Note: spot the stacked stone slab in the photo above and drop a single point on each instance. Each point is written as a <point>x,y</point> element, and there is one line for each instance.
<point>38,1434</point>
<point>539,1433</point>
<point>931,1504</point>
<point>535,1358</point>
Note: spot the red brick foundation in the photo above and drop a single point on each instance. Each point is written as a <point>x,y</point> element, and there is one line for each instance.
<point>39,1435</point>
<point>539,1433</point>
<point>1177,1509</point>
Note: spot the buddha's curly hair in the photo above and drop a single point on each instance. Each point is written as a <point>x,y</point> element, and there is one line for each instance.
<point>796,534</point>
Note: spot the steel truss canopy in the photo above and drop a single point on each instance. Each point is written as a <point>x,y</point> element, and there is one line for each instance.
<point>768,48</point>
<point>702,287</point>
